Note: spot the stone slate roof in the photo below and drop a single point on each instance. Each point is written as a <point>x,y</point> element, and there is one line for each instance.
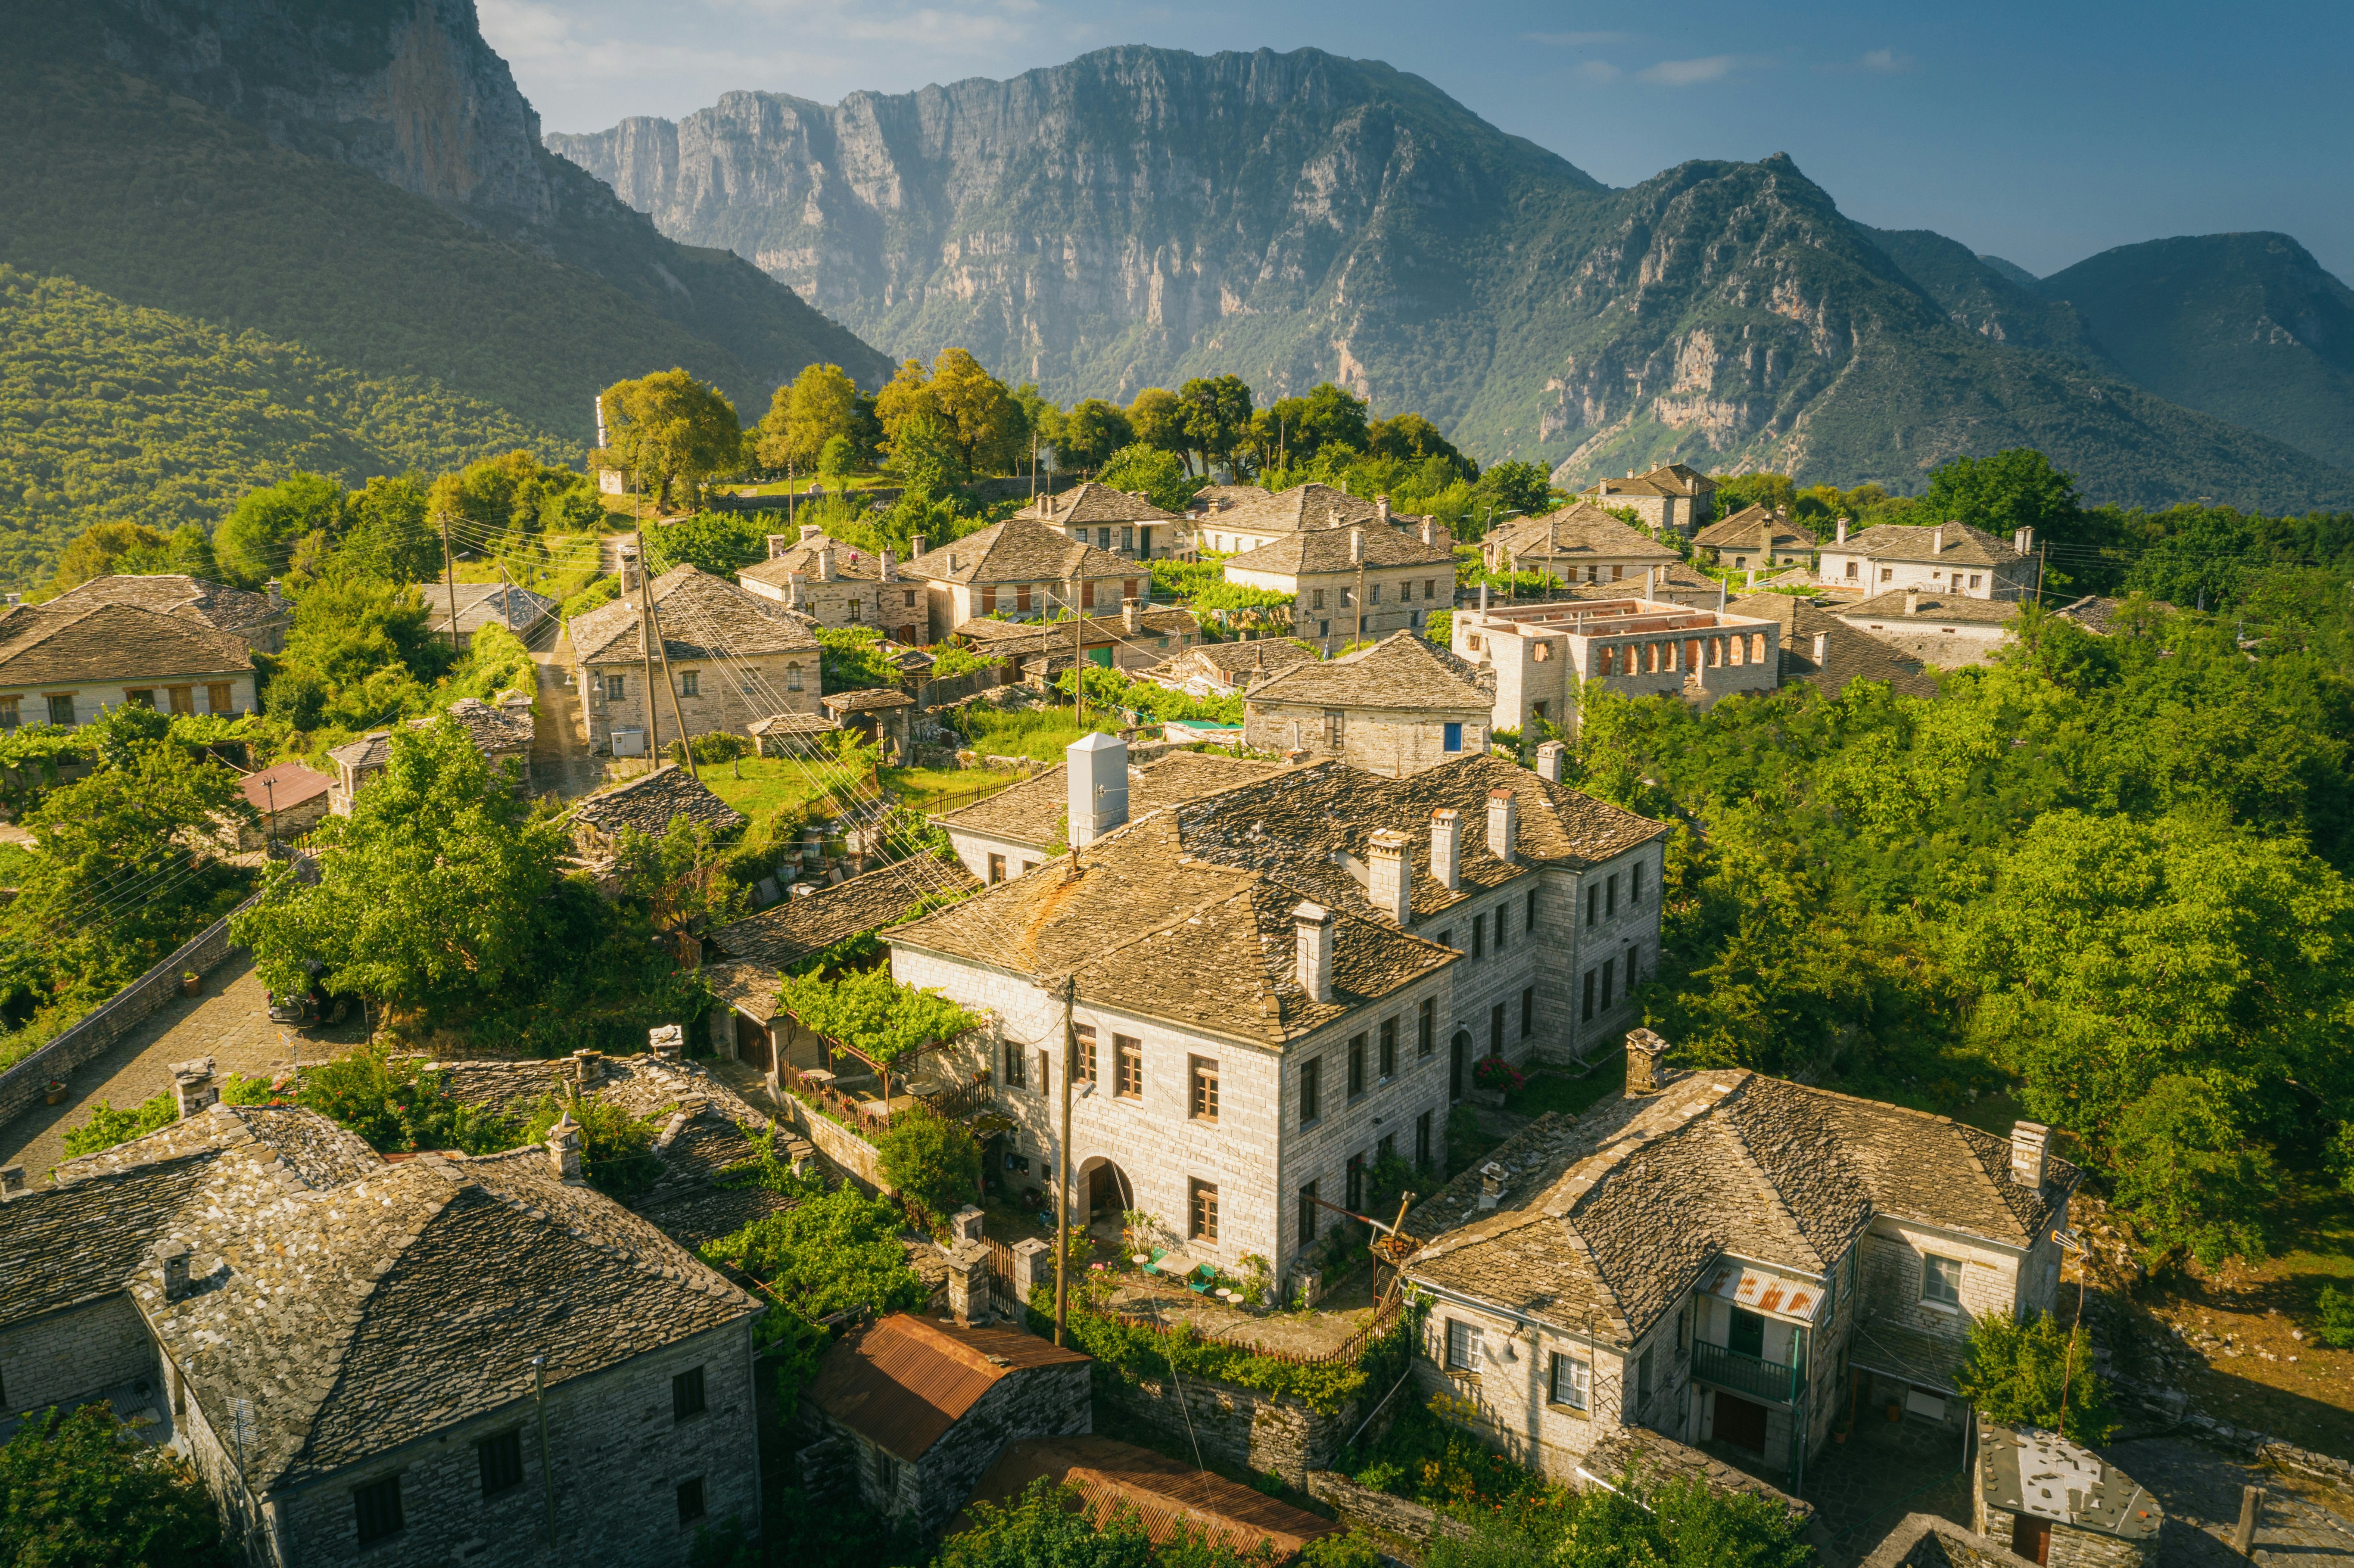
<point>495,729</point>
<point>1014,639</point>
<point>1659,1459</point>
<point>865,700</point>
<point>1609,1218</point>
<point>848,563</point>
<point>700,616</point>
<point>222,608</point>
<point>901,1384</point>
<point>1932,607</point>
<point>284,785</point>
<point>1327,550</point>
<point>1847,654</point>
<point>361,1315</point>
<point>2099,615</point>
<point>1018,550</point>
<point>1405,669</point>
<point>42,645</point>
<point>1575,532</point>
<point>1667,479</point>
<point>1964,546</point>
<point>1167,1496</point>
<point>652,801</point>
<point>1093,502</point>
<point>483,604</point>
<point>1185,913</point>
<point>1754,528</point>
<point>1229,664</point>
<point>784,934</point>
<point>1031,812</point>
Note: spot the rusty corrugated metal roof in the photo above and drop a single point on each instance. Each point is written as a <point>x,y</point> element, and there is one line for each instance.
<point>1168,1496</point>
<point>902,1383</point>
<point>1763,1290</point>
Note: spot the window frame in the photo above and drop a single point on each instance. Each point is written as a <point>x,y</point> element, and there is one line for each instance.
<point>1084,1048</point>
<point>693,1504</point>
<point>1387,1059</point>
<point>369,1508</point>
<point>1930,1271</point>
<point>1311,1091</point>
<point>1307,1206</point>
<point>688,1397</point>
<point>1580,1384</point>
<point>1202,1088</point>
<point>1126,1067</point>
<point>1422,1139</point>
<point>1201,1209</point>
<point>1016,1072</point>
<point>1426,1025</point>
<point>1466,1347</point>
<point>499,1458</point>
<point>690,682</point>
<point>1528,1012</point>
<point>1357,1079</point>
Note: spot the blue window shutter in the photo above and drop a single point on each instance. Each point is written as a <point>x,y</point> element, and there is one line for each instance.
<point>1455,738</point>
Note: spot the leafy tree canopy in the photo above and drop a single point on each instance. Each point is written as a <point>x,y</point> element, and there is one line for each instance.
<point>80,1490</point>
<point>1214,413</point>
<point>1158,419</point>
<point>874,1014</point>
<point>668,429</point>
<point>257,541</point>
<point>932,1161</point>
<point>1158,475</point>
<point>2016,1371</point>
<point>1091,432</point>
<point>819,406</point>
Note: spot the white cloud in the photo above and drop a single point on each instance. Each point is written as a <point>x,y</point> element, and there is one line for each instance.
<point>1597,70</point>
<point>1887,61</point>
<point>1686,73</point>
<point>1571,40</point>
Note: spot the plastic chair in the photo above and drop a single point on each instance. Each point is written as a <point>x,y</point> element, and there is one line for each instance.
<point>1202,1280</point>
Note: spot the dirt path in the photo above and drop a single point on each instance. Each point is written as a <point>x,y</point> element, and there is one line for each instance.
<point>560,758</point>
<point>226,1022</point>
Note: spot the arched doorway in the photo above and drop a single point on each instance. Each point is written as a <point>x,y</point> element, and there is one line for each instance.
<point>1458,1058</point>
<point>1105,1190</point>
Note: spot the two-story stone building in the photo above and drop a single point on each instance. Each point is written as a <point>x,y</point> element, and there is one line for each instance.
<point>1729,1259</point>
<point>732,657</point>
<point>1947,630</point>
<point>67,666</point>
<point>1755,538</point>
<point>1120,522</point>
<point>1019,569</point>
<point>1235,519</point>
<point>1279,986</point>
<point>1949,559</point>
<point>1017,829</point>
<point>1355,582</point>
<point>262,619</point>
<point>1671,496</point>
<point>1541,657</point>
<point>1396,708</point>
<point>1580,545</point>
<point>834,584</point>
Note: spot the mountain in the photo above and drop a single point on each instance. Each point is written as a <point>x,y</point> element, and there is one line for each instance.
<point>1139,216</point>
<point>2247,327</point>
<point>365,180</point>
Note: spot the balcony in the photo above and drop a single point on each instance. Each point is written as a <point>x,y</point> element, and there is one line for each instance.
<point>1745,1374</point>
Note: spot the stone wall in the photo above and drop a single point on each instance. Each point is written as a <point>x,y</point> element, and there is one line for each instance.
<point>1039,1402</point>
<point>67,1356</point>
<point>1399,1518</point>
<point>719,702</point>
<point>850,1153</point>
<point>1927,1540</point>
<point>1267,1434</point>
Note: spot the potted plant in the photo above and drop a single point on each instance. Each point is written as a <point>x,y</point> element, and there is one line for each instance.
<point>191,982</point>
<point>1496,1079</point>
<point>54,1092</point>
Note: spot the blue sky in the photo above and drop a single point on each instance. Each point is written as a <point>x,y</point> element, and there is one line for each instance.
<point>2041,132</point>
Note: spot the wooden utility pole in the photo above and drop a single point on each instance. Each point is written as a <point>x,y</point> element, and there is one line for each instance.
<point>450,582</point>
<point>1062,1160</point>
<point>645,641</point>
<point>2042,555</point>
<point>1078,656</point>
<point>650,633</point>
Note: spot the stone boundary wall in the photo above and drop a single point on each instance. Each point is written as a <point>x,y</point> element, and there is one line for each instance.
<point>1268,1433</point>
<point>21,1086</point>
<point>848,1152</point>
<point>1401,1518</point>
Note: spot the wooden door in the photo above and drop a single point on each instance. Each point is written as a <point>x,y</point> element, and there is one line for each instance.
<point>1740,1423</point>
<point>2031,1537</point>
<point>751,1043</point>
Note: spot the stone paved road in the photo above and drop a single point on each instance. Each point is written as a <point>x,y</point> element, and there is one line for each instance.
<point>227,1023</point>
<point>2200,1489</point>
<point>561,759</point>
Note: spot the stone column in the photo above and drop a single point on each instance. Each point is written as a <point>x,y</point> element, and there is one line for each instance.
<point>1033,1265</point>
<point>964,1225</point>
<point>969,1283</point>
<point>193,1085</point>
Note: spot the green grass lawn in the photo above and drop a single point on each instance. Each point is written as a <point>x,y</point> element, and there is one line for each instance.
<point>763,787</point>
<point>1040,734</point>
<point>937,789</point>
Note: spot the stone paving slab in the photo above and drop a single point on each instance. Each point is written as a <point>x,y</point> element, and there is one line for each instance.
<point>228,1022</point>
<point>2200,1489</point>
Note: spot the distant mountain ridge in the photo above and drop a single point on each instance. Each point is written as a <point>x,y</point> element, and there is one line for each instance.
<point>1137,215</point>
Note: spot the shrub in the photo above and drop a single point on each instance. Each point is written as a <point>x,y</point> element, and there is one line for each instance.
<point>397,1104</point>
<point>79,1488</point>
<point>931,1162</point>
<point>874,1014</point>
<point>1495,1073</point>
<point>107,1126</point>
<point>2335,1324</point>
<point>2015,1373</point>
<point>617,1155</point>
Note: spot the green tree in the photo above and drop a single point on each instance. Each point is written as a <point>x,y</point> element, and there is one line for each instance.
<point>105,1126</point>
<point>1215,414</point>
<point>680,875</point>
<point>358,655</point>
<point>2016,1371</point>
<point>1092,432</point>
<point>1410,438</point>
<point>192,552</point>
<point>1738,491</point>
<point>1160,476</point>
<point>258,538</point>
<point>426,895</point>
<point>671,429</point>
<point>989,430</point>
<point>932,1161</point>
<point>1523,487</point>
<point>390,538</point>
<point>907,394</point>
<point>1158,419</point>
<point>926,454</point>
<point>99,548</point>
<point>874,1014</point>
<point>720,543</point>
<point>2189,1173</point>
<point>82,1490</point>
<point>821,406</point>
<point>1329,416</point>
<point>2012,490</point>
<point>397,1104</point>
<point>838,460</point>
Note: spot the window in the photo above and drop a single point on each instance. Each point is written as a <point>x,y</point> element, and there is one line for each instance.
<point>1610,897</point>
<point>501,1458</point>
<point>1593,902</point>
<point>1530,924</point>
<point>1453,740</point>
<point>1311,1090</point>
<point>1356,1196</point>
<point>217,698</point>
<point>1607,965</point>
<point>1463,1347</point>
<point>886,1472</point>
<point>1336,727</point>
<point>184,698</point>
<point>989,601</point>
<point>1374,595</point>
<point>1941,1279</point>
<point>1022,599</point>
<point>687,1394</point>
<point>8,719</point>
<point>1386,1149</point>
<point>1635,884</point>
<point>1425,1027</point>
<point>1128,587</point>
<point>1495,1029</point>
<point>690,1500</point>
<point>1586,1012</point>
<point>1356,1066</point>
<point>1573,1382</point>
<point>1087,1034</point>
<point>139,697</point>
<point>792,677</point>
<point>1528,1010</point>
<point>1446,938</point>
<point>1103,538</point>
<point>1127,542</point>
<point>911,598</point>
<point>1389,1048</point>
<point>1643,1378</point>
<point>1045,1080</point>
<point>1430,587</point>
<point>378,1507</point>
<point>1013,1066</point>
<point>1087,594</point>
<point>1203,1207</point>
<point>996,869</point>
<point>1422,1138</point>
<point>1973,580</point>
<point>853,612</point>
<point>1503,920</point>
<point>1885,574</point>
<point>1128,1067</point>
<point>1316,599</point>
<point>1479,935</point>
<point>1203,1097</point>
<point>1850,571</point>
<point>690,682</point>
<point>61,709</point>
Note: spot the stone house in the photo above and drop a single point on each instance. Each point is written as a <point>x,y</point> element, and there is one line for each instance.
<point>1951,560</point>
<point>1019,569</point>
<point>288,800</point>
<point>2056,1502</point>
<point>501,731</point>
<point>1729,1259</point>
<point>1136,640</point>
<point>915,1411</point>
<point>1671,496</point>
<point>67,666</point>
<point>1825,652</point>
<point>834,584</point>
<point>1946,629</point>
<point>1233,519</point>
<point>1353,582</point>
<point>2106,617</point>
<point>1281,985</point>
<point>647,804</point>
<point>518,610</point>
<point>261,619</point>
<point>1396,708</point>
<point>883,715</point>
<point>1539,657</point>
<point>1017,829</point>
<point>1122,523</point>
<point>1580,544</point>
<point>1227,669</point>
<point>1166,1497</point>
<point>730,656</point>
<point>1755,538</point>
<point>359,1359</point>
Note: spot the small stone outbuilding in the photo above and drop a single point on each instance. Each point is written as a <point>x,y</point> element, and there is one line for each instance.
<point>1394,709</point>
<point>2058,1503</point>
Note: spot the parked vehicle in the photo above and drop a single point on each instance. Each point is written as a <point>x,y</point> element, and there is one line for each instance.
<point>314,1003</point>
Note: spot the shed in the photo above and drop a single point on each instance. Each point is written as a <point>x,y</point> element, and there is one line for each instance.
<point>881,714</point>
<point>287,799</point>
<point>2059,1503</point>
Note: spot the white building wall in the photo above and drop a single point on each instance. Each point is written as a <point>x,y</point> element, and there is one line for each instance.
<point>91,698</point>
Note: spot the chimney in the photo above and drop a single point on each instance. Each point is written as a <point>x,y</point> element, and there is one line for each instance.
<point>12,1182</point>
<point>173,1255</point>
<point>796,589</point>
<point>1313,923</point>
<point>277,591</point>
<point>1446,847</point>
<point>668,1043</point>
<point>1503,823</point>
<point>825,563</point>
<point>193,1087</point>
<point>2023,541</point>
<point>952,563</point>
<point>1391,884</point>
<point>1492,1176</point>
<point>779,544</point>
<point>808,531</point>
<point>1553,760</point>
<point>1647,1063</point>
<point>887,567</point>
<point>1430,530</point>
<point>1132,616</point>
<point>2028,1140</point>
<point>629,569</point>
<point>1912,601</point>
<point>1094,770</point>
<point>1822,647</point>
<point>1937,541</point>
<point>564,1150</point>
<point>1382,509</point>
<point>1356,546</point>
<point>915,546</point>
<point>1751,580</point>
<point>1842,531</point>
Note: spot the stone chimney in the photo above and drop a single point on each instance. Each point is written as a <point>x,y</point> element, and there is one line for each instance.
<point>1382,509</point>
<point>1751,580</point>
<point>796,590</point>
<point>1912,601</point>
<point>969,1292</point>
<point>779,544</point>
<point>1822,648</point>
<point>1492,1180</point>
<point>277,591</point>
<point>173,1255</point>
<point>12,1182</point>
<point>2023,541</point>
<point>2027,1142</point>
<point>1390,886</point>
<point>1430,531</point>
<point>825,563</point>
<point>193,1088</point>
<point>1313,923</point>
<point>1936,541</point>
<point>1094,770</point>
<point>1356,546</point>
<point>808,531</point>
<point>564,1150</point>
<point>887,567</point>
<point>1647,1063</point>
<point>1446,847</point>
<point>1503,823</point>
<point>915,546</point>
<point>1553,760</point>
<point>629,569</point>
<point>1842,532</point>
<point>668,1043</point>
<point>1132,616</point>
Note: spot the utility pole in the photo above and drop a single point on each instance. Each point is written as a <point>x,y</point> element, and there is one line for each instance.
<point>450,582</point>
<point>650,633</point>
<point>645,642</point>
<point>1062,1160</point>
<point>2043,553</point>
<point>1078,657</point>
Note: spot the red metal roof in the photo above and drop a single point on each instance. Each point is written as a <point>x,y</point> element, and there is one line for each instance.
<point>902,1383</point>
<point>287,784</point>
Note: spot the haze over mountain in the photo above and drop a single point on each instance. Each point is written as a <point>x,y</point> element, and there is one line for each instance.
<point>1137,215</point>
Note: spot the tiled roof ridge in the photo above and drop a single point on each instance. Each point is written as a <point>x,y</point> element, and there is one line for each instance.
<point>708,1279</point>
<point>1992,1154</point>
